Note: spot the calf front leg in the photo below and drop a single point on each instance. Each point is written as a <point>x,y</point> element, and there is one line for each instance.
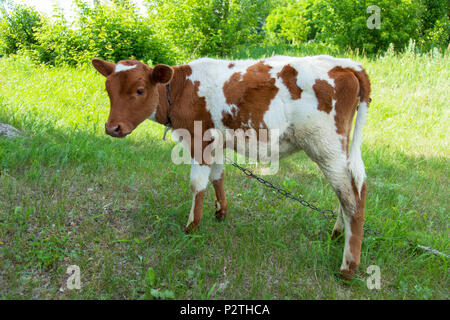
<point>198,180</point>
<point>217,178</point>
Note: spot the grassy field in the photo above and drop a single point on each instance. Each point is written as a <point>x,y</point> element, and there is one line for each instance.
<point>70,195</point>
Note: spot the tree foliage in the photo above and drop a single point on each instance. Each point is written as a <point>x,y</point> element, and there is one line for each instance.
<point>344,23</point>
<point>288,24</point>
<point>208,27</point>
<point>179,30</point>
<point>112,31</point>
<point>17,28</point>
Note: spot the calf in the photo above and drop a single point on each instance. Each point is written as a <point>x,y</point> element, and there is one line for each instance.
<point>310,101</point>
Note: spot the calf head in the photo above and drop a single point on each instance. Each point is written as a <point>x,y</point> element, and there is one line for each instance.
<point>133,92</point>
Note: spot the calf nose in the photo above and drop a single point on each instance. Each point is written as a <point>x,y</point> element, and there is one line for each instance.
<point>112,131</point>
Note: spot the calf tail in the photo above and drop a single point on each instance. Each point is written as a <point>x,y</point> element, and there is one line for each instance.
<point>356,164</point>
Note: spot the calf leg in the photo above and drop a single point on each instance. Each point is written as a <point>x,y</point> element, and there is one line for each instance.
<point>339,225</point>
<point>217,178</point>
<point>334,165</point>
<point>353,235</point>
<point>351,218</point>
<point>199,181</point>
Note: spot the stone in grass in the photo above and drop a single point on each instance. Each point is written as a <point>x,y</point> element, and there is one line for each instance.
<point>9,131</point>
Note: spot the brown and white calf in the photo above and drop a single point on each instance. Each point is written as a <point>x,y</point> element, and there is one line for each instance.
<point>310,100</point>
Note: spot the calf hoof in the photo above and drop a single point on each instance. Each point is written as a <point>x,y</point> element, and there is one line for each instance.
<point>221,214</point>
<point>335,234</point>
<point>347,274</point>
<point>190,228</point>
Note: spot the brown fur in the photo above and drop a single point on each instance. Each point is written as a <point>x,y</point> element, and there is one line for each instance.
<point>357,222</point>
<point>289,77</point>
<point>122,88</point>
<point>324,93</point>
<point>128,107</point>
<point>356,226</point>
<point>252,94</point>
<point>345,93</point>
<point>349,84</point>
<point>220,197</point>
<point>198,212</point>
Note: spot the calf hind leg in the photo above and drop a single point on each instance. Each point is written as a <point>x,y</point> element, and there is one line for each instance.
<point>353,234</point>
<point>351,215</point>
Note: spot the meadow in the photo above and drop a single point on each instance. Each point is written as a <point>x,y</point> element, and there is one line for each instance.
<point>70,195</point>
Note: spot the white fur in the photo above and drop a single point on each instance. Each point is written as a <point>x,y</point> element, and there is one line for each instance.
<point>356,164</point>
<point>218,206</point>
<point>199,181</point>
<point>212,75</point>
<point>300,123</point>
<point>191,213</point>
<point>302,115</point>
<point>216,171</point>
<point>348,256</point>
<point>199,176</point>
<point>121,67</point>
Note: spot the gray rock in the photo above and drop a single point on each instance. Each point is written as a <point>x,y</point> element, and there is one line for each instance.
<point>9,131</point>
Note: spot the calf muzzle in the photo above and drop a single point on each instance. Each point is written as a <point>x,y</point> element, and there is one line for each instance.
<point>115,131</point>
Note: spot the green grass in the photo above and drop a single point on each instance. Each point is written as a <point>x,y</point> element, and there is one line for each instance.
<point>69,194</point>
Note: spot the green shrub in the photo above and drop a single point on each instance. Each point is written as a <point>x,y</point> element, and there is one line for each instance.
<point>435,24</point>
<point>439,36</point>
<point>287,24</point>
<point>344,23</point>
<point>17,29</point>
<point>209,27</point>
<point>179,30</point>
<point>109,31</point>
<point>433,11</point>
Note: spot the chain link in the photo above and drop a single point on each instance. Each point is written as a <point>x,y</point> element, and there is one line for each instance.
<point>328,214</point>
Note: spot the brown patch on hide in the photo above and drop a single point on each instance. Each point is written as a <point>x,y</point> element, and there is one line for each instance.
<point>251,93</point>
<point>289,77</point>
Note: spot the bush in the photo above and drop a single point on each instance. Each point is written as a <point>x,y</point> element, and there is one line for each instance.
<point>109,31</point>
<point>439,36</point>
<point>209,27</point>
<point>435,24</point>
<point>179,30</point>
<point>344,23</point>
<point>433,11</point>
<point>17,29</point>
<point>287,25</point>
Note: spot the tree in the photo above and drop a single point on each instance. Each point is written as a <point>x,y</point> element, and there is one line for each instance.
<point>17,27</point>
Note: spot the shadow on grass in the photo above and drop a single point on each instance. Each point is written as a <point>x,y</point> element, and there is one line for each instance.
<point>398,184</point>
<point>103,198</point>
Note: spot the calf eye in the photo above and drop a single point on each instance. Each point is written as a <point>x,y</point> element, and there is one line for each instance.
<point>140,92</point>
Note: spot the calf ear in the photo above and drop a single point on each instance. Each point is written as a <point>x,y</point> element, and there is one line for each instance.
<point>162,73</point>
<point>104,67</point>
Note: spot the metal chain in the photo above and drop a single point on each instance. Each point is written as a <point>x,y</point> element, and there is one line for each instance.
<point>328,214</point>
